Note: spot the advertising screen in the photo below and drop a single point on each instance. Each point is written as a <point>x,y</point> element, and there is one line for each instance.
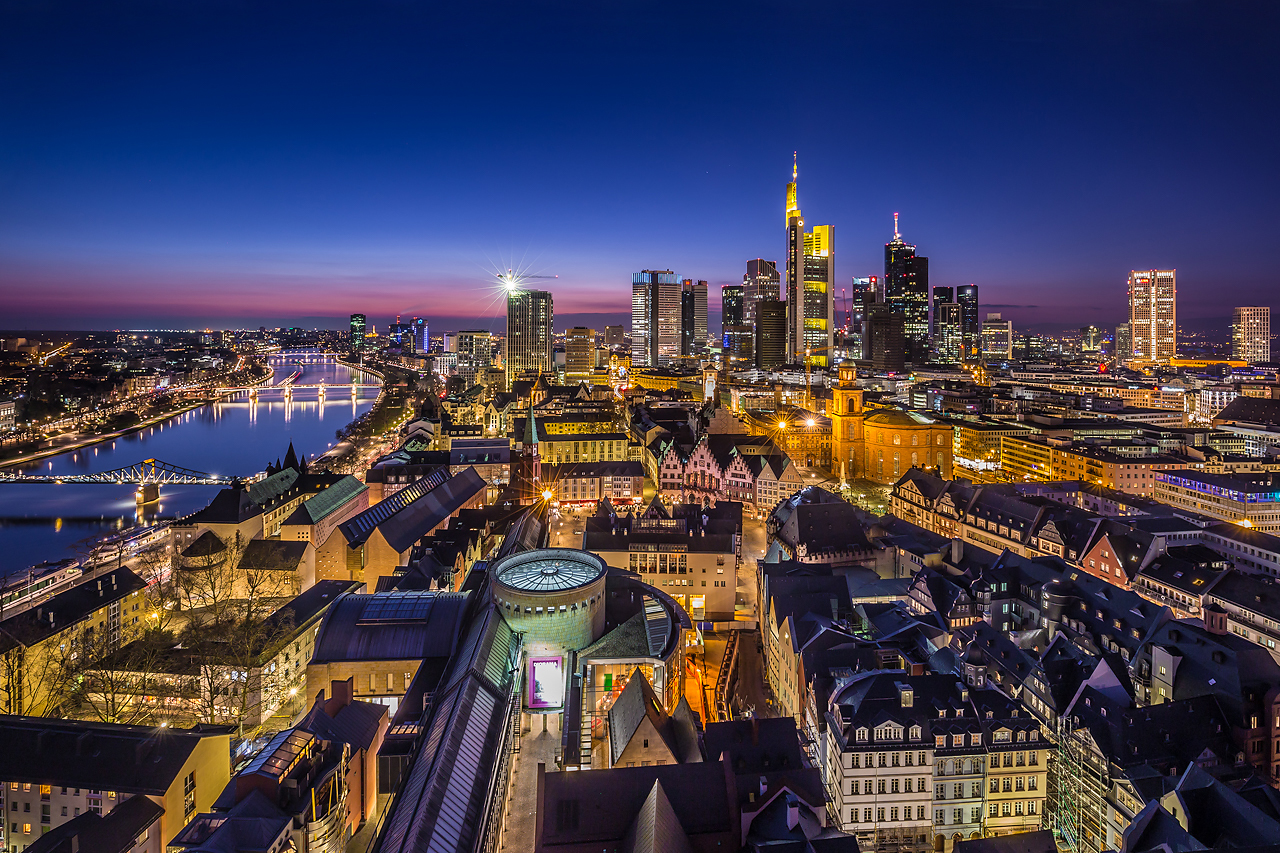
<point>546,682</point>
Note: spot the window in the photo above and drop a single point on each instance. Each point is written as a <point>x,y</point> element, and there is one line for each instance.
<point>939,817</point>
<point>940,741</point>
<point>880,815</point>
<point>866,815</point>
<point>919,812</point>
<point>893,813</point>
<point>189,794</point>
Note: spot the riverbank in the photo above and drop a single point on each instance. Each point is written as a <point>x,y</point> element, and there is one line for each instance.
<point>99,438</point>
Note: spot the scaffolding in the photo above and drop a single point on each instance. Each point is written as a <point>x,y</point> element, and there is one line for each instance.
<point>1077,792</point>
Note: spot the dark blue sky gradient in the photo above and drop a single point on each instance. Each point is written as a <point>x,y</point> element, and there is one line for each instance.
<point>198,163</point>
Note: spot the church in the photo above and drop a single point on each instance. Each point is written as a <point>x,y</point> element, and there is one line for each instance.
<point>882,444</point>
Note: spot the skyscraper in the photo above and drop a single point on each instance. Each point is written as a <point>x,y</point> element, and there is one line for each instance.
<point>476,347</point>
<point>810,284</point>
<point>997,339</point>
<point>420,335</point>
<point>770,343</point>
<point>864,292</point>
<point>1153,317</point>
<point>693,317</point>
<point>946,331</point>
<point>1124,342</point>
<point>760,282</point>
<point>614,336</point>
<point>357,333</point>
<point>941,295</point>
<point>1251,334</point>
<point>882,342</point>
<point>1090,340</point>
<point>970,328</point>
<point>528,346</point>
<point>906,290</point>
<point>731,305</point>
<point>579,353</point>
<point>655,318</point>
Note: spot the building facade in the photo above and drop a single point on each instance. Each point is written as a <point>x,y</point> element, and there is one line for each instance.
<point>655,318</point>
<point>1251,334</point>
<point>530,315</point>
<point>1153,318</point>
<point>906,290</point>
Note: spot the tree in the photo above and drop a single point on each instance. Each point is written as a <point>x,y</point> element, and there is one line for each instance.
<point>114,682</point>
<point>206,578</point>
<point>157,567</point>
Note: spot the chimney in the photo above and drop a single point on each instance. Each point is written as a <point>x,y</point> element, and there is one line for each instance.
<point>764,785</point>
<point>793,811</point>
<point>957,551</point>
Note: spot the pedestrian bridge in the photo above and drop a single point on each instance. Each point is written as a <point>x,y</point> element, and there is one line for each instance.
<point>146,472</point>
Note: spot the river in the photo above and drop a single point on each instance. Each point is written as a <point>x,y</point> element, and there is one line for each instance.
<point>239,435</point>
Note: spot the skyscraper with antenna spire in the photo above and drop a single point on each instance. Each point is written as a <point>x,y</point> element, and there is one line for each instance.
<point>810,283</point>
<point>906,291</point>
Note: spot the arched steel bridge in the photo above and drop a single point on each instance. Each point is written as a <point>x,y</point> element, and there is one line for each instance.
<point>148,471</point>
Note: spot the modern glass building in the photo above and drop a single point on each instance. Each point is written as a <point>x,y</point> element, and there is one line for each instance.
<point>528,345</point>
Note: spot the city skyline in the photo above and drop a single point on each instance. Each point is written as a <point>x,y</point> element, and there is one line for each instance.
<point>246,196</point>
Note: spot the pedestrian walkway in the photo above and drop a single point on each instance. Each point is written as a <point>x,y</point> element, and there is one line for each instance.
<point>536,747</point>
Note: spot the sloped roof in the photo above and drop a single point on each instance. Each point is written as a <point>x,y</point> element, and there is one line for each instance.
<point>275,555</point>
<point>408,520</point>
<point>1251,410</point>
<point>104,756</point>
<point>330,500</point>
<point>390,626</point>
<point>67,608</point>
<point>115,832</point>
<point>656,828</point>
<point>270,488</point>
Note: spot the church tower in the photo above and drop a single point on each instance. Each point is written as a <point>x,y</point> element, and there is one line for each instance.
<point>847,441</point>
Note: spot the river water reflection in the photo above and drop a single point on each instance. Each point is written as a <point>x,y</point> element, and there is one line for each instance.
<point>239,436</point>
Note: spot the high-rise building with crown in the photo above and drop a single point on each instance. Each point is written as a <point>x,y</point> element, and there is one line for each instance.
<point>906,290</point>
<point>970,326</point>
<point>810,284</point>
<point>1153,315</point>
<point>655,318</point>
<point>528,346</point>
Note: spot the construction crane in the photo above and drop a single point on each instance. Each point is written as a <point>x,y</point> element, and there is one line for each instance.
<point>511,279</point>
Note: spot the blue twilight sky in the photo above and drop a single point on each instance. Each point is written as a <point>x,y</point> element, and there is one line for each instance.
<point>190,163</point>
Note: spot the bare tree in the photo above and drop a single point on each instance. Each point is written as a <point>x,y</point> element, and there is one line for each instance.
<point>114,682</point>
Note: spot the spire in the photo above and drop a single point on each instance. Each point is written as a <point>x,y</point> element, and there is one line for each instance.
<point>795,165</point>
<point>896,236</point>
<point>793,206</point>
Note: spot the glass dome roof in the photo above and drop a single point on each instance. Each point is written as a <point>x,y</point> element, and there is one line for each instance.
<point>549,570</point>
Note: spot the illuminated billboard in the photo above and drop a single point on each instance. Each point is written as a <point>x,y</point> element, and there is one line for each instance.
<point>546,682</point>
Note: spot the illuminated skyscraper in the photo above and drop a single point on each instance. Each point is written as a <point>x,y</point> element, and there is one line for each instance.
<point>357,333</point>
<point>906,290</point>
<point>997,339</point>
<point>941,295</point>
<point>419,335</point>
<point>579,353</point>
<point>614,336</point>
<point>1153,317</point>
<point>760,282</point>
<point>693,317</point>
<point>970,328</point>
<point>528,345</point>
<point>475,346</point>
<point>946,331</point>
<point>1251,335</point>
<point>731,305</point>
<point>655,318</point>
<point>810,284</point>
<point>1090,340</point>
<point>1123,343</point>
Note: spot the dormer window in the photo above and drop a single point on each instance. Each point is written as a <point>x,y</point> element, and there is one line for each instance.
<point>915,733</point>
<point>861,735</point>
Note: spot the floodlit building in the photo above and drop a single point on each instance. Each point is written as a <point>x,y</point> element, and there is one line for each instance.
<point>810,285</point>
<point>1153,318</point>
<point>530,315</point>
<point>1251,334</point>
<point>655,318</point>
